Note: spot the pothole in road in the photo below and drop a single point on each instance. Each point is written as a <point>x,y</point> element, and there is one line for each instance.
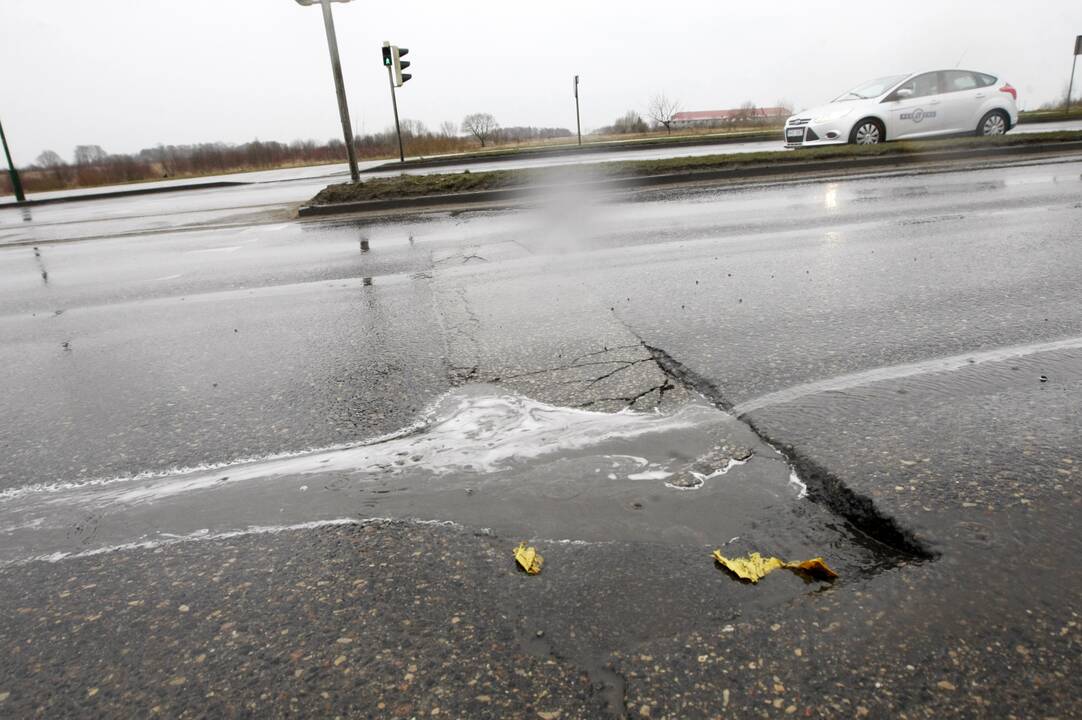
<point>481,457</point>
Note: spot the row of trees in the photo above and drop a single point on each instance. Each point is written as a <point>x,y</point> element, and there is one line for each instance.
<point>91,165</point>
<point>661,113</point>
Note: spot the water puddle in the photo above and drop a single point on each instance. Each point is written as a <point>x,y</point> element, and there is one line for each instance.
<point>481,457</point>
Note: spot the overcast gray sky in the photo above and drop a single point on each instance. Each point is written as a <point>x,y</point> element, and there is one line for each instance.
<point>127,74</point>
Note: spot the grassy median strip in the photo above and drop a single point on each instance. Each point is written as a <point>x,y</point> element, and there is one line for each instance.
<point>592,146</point>
<point>411,186</point>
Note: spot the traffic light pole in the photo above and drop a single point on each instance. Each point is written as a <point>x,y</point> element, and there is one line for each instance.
<point>1074,62</point>
<point>340,88</point>
<point>1070,86</point>
<point>397,127</point>
<point>16,184</point>
<point>578,122</point>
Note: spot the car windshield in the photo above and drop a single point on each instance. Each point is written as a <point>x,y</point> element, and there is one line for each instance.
<point>872,88</point>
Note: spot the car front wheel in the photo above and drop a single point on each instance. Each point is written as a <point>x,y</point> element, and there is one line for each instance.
<point>994,123</point>
<point>868,132</point>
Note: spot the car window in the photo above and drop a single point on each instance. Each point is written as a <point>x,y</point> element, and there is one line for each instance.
<point>871,89</point>
<point>984,80</point>
<point>959,80</point>
<point>921,85</point>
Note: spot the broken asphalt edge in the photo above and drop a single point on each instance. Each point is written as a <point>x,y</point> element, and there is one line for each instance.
<point>792,170</point>
<point>824,488</point>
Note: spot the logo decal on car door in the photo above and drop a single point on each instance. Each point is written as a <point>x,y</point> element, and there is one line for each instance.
<point>917,115</point>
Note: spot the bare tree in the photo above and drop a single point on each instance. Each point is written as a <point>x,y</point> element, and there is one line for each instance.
<point>662,111</point>
<point>412,128</point>
<point>480,125</point>
<point>89,154</point>
<point>448,129</point>
<point>49,159</point>
<point>747,112</point>
<point>631,122</point>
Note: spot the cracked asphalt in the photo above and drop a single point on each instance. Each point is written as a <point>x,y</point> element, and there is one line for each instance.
<point>945,494</point>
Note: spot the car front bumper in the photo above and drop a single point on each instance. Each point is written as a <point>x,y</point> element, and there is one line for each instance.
<point>806,133</point>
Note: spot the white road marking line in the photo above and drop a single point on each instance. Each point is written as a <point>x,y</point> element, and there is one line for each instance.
<point>230,248</point>
<point>896,372</point>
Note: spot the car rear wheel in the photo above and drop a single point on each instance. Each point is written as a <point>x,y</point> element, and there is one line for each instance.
<point>994,123</point>
<point>868,131</point>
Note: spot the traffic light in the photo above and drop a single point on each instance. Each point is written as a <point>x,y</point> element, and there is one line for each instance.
<point>400,78</point>
<point>387,61</point>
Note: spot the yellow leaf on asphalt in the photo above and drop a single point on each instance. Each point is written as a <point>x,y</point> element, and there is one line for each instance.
<point>529,559</point>
<point>754,567</point>
<point>816,566</point>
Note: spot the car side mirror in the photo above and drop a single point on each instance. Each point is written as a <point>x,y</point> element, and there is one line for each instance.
<point>903,93</point>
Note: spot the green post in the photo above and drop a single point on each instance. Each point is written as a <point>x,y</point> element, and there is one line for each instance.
<point>16,185</point>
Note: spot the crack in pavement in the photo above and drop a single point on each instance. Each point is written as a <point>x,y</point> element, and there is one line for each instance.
<point>461,327</point>
<point>823,487</point>
<point>630,401</point>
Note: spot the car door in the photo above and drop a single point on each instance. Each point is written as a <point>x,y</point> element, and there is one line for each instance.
<point>963,98</point>
<point>914,109</point>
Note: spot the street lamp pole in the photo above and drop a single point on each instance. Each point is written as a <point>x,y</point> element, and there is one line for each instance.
<point>339,85</point>
<point>16,184</point>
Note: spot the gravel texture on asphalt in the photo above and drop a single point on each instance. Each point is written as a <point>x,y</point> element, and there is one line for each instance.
<point>404,620</point>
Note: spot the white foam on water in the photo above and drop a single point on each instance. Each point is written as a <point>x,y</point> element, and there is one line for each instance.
<point>29,525</point>
<point>168,539</point>
<point>65,486</point>
<point>469,433</point>
<point>702,477</point>
<point>650,475</point>
<point>634,458</point>
<point>795,481</point>
<point>165,539</point>
<point>465,431</point>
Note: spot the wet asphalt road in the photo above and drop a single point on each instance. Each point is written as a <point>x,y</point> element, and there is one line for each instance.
<point>266,195</point>
<point>945,491</point>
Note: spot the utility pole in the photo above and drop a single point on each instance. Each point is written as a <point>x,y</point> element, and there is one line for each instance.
<point>1074,61</point>
<point>392,60</point>
<point>16,184</point>
<point>578,122</point>
<point>339,85</point>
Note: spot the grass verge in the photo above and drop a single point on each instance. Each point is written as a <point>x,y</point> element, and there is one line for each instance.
<point>1039,116</point>
<point>407,186</point>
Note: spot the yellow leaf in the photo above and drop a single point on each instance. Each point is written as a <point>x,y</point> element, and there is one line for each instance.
<point>528,557</point>
<point>754,567</point>
<point>815,566</point>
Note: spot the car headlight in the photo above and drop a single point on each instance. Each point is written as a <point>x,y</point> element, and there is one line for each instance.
<point>833,115</point>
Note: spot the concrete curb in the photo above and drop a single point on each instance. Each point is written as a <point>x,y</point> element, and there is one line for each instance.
<point>481,158</point>
<point>791,169</point>
<point>124,193</point>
